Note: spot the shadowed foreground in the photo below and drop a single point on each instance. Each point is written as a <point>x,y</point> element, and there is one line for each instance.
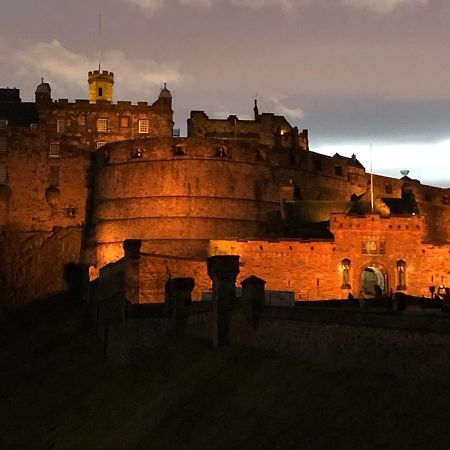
<point>57,391</point>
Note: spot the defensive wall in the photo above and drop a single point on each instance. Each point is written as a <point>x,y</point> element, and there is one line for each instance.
<point>315,269</point>
<point>177,194</point>
<point>265,129</point>
<point>409,338</point>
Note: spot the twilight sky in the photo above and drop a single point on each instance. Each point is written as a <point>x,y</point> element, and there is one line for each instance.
<point>353,72</point>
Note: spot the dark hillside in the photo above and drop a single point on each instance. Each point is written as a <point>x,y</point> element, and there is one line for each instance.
<point>57,391</point>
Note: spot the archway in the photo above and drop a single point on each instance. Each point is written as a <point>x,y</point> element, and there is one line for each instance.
<point>374,281</point>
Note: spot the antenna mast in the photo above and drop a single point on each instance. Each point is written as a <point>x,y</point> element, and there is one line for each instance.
<point>99,42</point>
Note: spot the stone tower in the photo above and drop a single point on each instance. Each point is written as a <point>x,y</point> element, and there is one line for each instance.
<point>43,93</point>
<point>100,86</point>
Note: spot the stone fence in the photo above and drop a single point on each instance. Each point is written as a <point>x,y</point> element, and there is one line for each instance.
<point>412,343</point>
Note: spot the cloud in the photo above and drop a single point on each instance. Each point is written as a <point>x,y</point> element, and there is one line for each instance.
<point>383,6</point>
<point>66,70</point>
<point>151,6</point>
<point>283,110</point>
<point>285,5</point>
<point>197,3</point>
<point>380,7</point>
<point>147,5</point>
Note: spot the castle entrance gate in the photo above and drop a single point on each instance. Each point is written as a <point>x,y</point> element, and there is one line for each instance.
<point>374,281</point>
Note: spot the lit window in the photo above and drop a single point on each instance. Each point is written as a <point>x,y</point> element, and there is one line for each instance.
<point>102,125</point>
<point>3,174</point>
<point>71,212</point>
<point>3,148</point>
<point>346,263</point>
<point>60,126</point>
<point>81,120</point>
<point>3,123</point>
<point>100,144</point>
<point>55,150</point>
<point>33,126</point>
<point>401,275</point>
<point>124,122</point>
<point>53,178</point>
<point>143,126</point>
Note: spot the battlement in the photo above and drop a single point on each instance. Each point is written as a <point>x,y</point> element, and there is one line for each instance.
<point>265,128</point>
<point>10,95</point>
<point>103,73</point>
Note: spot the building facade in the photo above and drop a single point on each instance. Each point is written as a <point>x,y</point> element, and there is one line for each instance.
<point>77,179</point>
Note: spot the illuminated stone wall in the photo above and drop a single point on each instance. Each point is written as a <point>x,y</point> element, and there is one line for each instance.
<point>314,270</point>
<point>31,203</point>
<point>177,194</point>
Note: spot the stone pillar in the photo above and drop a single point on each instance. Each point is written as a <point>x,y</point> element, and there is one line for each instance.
<point>223,271</point>
<point>181,295</point>
<point>253,297</point>
<point>132,249</point>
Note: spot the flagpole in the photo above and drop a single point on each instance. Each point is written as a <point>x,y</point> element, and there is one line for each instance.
<point>371,180</point>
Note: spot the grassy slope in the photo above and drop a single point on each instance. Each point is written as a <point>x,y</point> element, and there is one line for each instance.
<point>58,392</point>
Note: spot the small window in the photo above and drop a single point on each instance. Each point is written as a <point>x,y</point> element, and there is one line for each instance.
<point>100,144</point>
<point>176,133</point>
<point>401,275</point>
<point>102,125</point>
<point>137,153</point>
<point>100,92</point>
<point>3,148</point>
<point>53,178</point>
<point>3,123</point>
<point>346,264</point>
<point>60,126</point>
<point>55,150</point>
<point>445,200</point>
<point>81,120</point>
<point>3,174</point>
<point>33,126</point>
<point>317,165</point>
<point>338,171</point>
<point>179,150</point>
<point>124,122</point>
<point>143,126</point>
<point>388,188</point>
<point>221,152</point>
<point>428,197</point>
<point>71,212</point>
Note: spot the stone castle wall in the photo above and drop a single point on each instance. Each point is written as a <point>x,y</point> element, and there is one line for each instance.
<point>177,194</point>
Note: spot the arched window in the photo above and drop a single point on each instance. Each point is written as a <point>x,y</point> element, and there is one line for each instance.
<point>401,275</point>
<point>346,264</point>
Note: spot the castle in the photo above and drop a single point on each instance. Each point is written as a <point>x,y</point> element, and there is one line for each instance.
<point>78,179</point>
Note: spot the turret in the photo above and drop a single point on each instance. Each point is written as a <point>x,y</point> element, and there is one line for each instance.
<point>164,101</point>
<point>100,86</point>
<point>43,93</point>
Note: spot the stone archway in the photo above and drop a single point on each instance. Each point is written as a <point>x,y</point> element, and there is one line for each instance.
<point>374,281</point>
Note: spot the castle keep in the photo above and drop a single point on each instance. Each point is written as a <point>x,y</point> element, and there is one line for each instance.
<point>78,179</point>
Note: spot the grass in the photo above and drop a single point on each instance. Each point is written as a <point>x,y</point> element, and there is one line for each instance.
<point>57,391</point>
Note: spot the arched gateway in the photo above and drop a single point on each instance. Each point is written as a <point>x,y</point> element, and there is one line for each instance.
<point>374,281</point>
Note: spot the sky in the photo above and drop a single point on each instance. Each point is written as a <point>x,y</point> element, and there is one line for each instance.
<point>354,72</point>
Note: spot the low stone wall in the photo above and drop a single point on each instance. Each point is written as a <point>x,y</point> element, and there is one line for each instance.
<point>410,344</point>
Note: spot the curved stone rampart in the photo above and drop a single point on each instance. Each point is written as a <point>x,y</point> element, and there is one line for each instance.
<point>177,194</point>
